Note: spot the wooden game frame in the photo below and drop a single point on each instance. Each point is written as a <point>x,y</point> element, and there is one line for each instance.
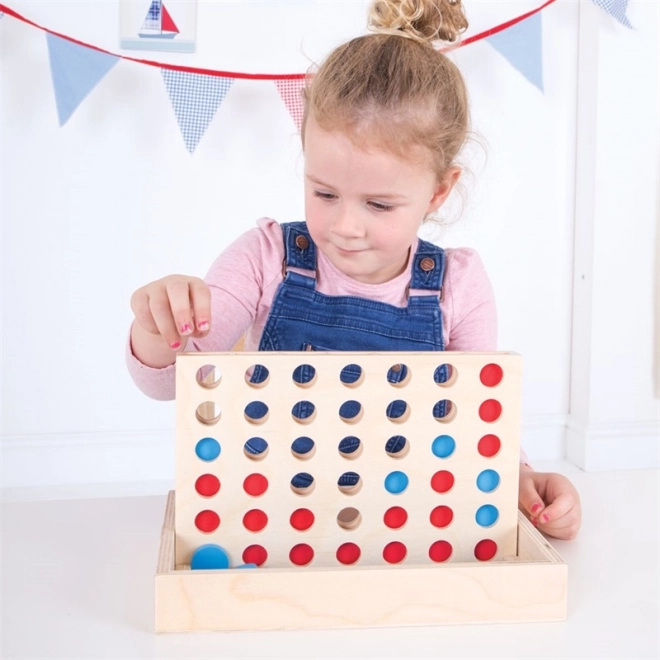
<point>527,583</point>
<point>529,587</point>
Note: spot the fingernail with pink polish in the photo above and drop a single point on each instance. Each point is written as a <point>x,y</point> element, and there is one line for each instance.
<point>186,329</point>
<point>203,325</point>
<point>536,507</point>
<point>175,345</point>
<point>544,518</point>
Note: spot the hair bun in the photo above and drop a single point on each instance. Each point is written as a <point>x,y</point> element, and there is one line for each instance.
<point>422,20</point>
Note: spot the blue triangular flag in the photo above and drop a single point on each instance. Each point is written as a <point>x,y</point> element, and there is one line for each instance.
<point>75,70</point>
<point>522,45</point>
<point>616,8</point>
<point>195,98</point>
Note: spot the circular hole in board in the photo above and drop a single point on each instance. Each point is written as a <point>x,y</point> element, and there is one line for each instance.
<point>255,484</point>
<point>208,412</point>
<point>303,448</point>
<point>304,375</point>
<point>301,519</point>
<point>394,552</point>
<point>255,554</point>
<point>397,446</point>
<point>349,518</point>
<point>441,516</point>
<point>443,446</point>
<point>207,485</point>
<point>442,481</point>
<point>348,553</point>
<point>351,412</point>
<point>488,481</point>
<point>399,375</point>
<point>350,447</point>
<point>256,449</point>
<point>397,411</point>
<point>491,375</point>
<point>396,482</point>
<point>445,375</point>
<point>256,412</point>
<point>303,412</point>
<point>444,411</point>
<point>257,376</point>
<point>349,483</point>
<point>302,483</point>
<point>208,376</point>
<point>490,410</point>
<point>489,445</point>
<point>485,550</point>
<point>208,449</point>
<point>351,375</point>
<point>255,520</point>
<point>395,517</point>
<point>486,515</point>
<point>301,554</point>
<point>440,551</point>
<point>207,521</point>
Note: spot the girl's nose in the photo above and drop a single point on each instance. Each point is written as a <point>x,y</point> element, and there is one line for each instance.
<point>347,223</point>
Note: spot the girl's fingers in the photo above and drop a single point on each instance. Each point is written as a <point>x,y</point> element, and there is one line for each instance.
<point>200,297</point>
<point>558,508</point>
<point>161,311</point>
<point>178,294</point>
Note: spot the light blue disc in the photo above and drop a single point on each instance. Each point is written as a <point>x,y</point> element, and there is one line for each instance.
<point>488,481</point>
<point>209,556</point>
<point>443,446</point>
<point>208,449</point>
<point>396,482</point>
<point>487,515</point>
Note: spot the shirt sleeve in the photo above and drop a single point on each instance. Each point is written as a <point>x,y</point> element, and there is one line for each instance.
<point>470,306</point>
<point>237,280</point>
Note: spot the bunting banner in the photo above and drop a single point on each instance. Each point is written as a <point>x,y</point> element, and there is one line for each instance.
<point>196,94</point>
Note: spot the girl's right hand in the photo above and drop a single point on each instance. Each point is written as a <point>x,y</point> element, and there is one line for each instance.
<point>173,308</point>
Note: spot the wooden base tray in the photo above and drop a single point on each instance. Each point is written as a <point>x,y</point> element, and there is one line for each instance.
<point>530,586</point>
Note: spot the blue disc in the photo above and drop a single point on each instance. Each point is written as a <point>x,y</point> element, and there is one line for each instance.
<point>396,482</point>
<point>255,446</point>
<point>208,449</point>
<point>443,446</point>
<point>209,556</point>
<point>488,481</point>
<point>256,410</point>
<point>302,445</point>
<point>349,444</point>
<point>487,515</point>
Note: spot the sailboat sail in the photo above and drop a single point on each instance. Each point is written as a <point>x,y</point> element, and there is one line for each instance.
<point>158,23</point>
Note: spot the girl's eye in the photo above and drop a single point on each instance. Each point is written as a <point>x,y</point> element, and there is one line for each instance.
<point>323,195</point>
<point>380,207</point>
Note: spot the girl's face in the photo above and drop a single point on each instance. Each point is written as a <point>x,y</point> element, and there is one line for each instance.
<point>364,207</point>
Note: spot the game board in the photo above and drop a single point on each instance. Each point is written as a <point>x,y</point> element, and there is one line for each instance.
<point>406,489</point>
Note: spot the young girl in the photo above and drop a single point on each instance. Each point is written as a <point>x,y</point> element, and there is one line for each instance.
<point>385,118</point>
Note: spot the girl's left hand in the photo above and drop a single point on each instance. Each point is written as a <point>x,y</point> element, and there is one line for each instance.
<point>551,502</point>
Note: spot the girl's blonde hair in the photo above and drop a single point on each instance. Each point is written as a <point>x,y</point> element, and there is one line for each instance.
<point>393,88</point>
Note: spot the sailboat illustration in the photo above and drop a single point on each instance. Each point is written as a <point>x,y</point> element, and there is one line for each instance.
<point>158,24</point>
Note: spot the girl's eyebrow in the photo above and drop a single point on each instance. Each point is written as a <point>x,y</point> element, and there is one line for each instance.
<point>384,195</point>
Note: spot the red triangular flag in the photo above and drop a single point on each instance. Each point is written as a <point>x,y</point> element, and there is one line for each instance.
<point>291,93</point>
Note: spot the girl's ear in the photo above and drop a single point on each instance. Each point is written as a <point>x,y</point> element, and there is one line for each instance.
<point>443,188</point>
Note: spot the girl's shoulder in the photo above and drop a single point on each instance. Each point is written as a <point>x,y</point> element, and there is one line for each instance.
<point>464,264</point>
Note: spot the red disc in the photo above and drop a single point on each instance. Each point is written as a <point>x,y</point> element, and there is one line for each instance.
<point>441,516</point>
<point>440,551</point>
<point>207,485</point>
<point>489,445</point>
<point>490,410</point>
<point>442,481</point>
<point>207,521</point>
<point>255,554</point>
<point>394,552</point>
<point>395,517</point>
<point>491,375</point>
<point>485,550</point>
<point>255,484</point>
<point>302,519</point>
<point>348,553</point>
<point>255,520</point>
<point>301,554</point>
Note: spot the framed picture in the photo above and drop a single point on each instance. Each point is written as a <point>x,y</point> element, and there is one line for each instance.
<point>168,25</point>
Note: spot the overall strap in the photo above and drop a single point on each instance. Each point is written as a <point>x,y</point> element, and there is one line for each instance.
<point>428,268</point>
<point>299,250</point>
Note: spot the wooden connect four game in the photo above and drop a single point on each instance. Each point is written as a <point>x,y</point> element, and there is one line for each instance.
<point>387,473</point>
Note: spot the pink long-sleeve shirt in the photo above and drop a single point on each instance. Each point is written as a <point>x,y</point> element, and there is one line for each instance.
<point>245,277</point>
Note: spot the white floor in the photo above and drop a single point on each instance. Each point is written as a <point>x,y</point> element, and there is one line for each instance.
<point>78,583</point>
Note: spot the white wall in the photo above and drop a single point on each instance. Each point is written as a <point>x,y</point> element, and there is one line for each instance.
<point>112,200</point>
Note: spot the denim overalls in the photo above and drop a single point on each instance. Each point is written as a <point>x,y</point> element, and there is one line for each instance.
<point>302,319</point>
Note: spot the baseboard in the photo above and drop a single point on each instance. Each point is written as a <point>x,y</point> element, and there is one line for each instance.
<point>622,446</point>
<point>143,461</point>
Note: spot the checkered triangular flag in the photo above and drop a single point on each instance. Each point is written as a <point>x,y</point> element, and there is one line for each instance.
<point>615,8</point>
<point>291,93</point>
<point>195,98</point>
